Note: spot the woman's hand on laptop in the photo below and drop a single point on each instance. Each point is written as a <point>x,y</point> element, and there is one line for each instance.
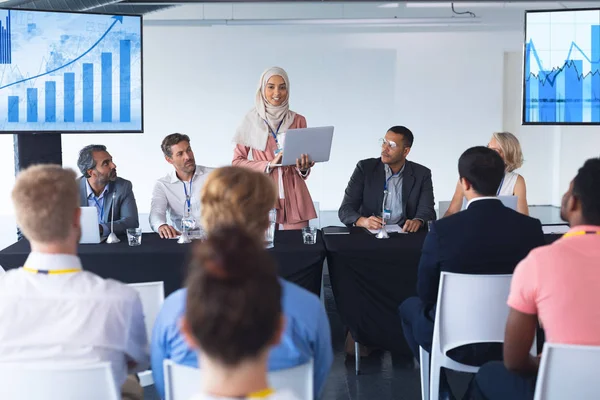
<point>168,232</point>
<point>303,163</point>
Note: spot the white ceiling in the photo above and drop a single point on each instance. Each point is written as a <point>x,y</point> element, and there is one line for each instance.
<point>484,15</point>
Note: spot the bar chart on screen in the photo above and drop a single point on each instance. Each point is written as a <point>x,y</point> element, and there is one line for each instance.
<point>70,72</point>
<point>562,67</point>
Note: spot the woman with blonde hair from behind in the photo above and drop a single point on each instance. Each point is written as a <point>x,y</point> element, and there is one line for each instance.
<point>242,198</point>
<point>507,145</point>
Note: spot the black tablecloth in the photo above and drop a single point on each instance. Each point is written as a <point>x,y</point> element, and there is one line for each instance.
<point>370,278</point>
<point>165,260</point>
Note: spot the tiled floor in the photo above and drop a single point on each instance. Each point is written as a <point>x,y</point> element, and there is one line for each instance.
<point>382,377</point>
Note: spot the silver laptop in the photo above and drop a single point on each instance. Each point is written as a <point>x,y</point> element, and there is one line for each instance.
<point>508,201</point>
<point>316,142</point>
<point>90,232</point>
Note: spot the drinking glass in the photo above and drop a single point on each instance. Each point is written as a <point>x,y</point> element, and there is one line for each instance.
<point>309,235</point>
<point>270,233</point>
<point>134,236</point>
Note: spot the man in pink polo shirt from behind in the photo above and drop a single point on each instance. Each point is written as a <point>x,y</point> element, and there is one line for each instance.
<point>558,284</point>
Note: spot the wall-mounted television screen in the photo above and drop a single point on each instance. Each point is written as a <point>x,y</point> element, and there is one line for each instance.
<point>70,72</point>
<point>561,80</point>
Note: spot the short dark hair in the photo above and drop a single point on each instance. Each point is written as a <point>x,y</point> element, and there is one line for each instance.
<point>407,135</point>
<point>483,168</point>
<point>86,158</point>
<point>170,140</point>
<point>233,306</point>
<point>586,187</point>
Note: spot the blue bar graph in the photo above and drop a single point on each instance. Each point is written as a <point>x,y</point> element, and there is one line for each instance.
<point>574,92</point>
<point>13,108</point>
<point>69,96</point>
<point>125,81</point>
<point>50,101</point>
<point>5,41</point>
<point>106,87</point>
<point>32,105</point>
<point>88,92</point>
<point>528,78</point>
<point>547,96</point>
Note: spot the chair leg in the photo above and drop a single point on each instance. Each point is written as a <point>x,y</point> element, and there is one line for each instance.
<point>424,366</point>
<point>434,378</point>
<point>356,357</point>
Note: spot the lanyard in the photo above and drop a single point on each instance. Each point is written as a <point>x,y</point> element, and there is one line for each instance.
<point>385,187</point>
<point>261,394</point>
<point>51,272</point>
<point>500,187</point>
<point>188,198</point>
<point>101,208</point>
<point>581,233</point>
<point>274,133</point>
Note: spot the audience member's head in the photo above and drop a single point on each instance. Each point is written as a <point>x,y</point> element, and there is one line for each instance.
<point>509,148</point>
<point>233,311</point>
<point>481,171</point>
<point>96,164</point>
<point>581,203</point>
<point>235,196</point>
<point>46,201</point>
<point>396,145</point>
<point>178,152</point>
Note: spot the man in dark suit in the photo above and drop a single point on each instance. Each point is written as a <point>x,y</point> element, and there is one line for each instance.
<point>96,188</point>
<point>486,238</point>
<point>405,187</point>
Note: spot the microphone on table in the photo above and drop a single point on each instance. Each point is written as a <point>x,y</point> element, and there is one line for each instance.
<point>382,234</point>
<point>112,238</point>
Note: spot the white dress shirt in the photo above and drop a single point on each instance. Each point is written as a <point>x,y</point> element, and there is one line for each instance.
<point>70,316</point>
<point>481,198</point>
<point>169,196</point>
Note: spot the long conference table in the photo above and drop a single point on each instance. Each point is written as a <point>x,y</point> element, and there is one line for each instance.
<point>369,277</point>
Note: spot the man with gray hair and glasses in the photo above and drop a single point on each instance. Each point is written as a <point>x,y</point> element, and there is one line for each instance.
<point>100,187</point>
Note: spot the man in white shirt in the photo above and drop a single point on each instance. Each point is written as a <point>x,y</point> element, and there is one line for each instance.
<point>52,310</point>
<point>177,193</point>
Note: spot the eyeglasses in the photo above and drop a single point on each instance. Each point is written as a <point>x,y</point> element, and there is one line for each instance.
<point>384,142</point>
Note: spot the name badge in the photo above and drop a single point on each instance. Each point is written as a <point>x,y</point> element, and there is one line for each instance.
<point>387,214</point>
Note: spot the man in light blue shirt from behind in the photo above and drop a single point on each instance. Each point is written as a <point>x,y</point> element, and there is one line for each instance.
<point>307,336</point>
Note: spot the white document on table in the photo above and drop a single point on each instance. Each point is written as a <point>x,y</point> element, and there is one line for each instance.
<point>389,228</point>
<point>556,229</point>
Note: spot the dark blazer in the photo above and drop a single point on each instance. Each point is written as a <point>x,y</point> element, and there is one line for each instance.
<point>364,194</point>
<point>126,212</point>
<point>486,238</point>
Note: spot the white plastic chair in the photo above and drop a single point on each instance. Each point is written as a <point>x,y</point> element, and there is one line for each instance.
<point>470,309</point>
<point>152,295</point>
<point>33,381</point>
<point>568,372</point>
<point>182,382</point>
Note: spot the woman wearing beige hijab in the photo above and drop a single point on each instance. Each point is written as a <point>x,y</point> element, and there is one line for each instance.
<point>259,143</point>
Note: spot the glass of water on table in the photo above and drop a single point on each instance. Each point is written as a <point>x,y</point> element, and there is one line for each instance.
<point>134,236</point>
<point>309,235</point>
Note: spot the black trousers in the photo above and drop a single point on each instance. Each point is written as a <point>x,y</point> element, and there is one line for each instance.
<point>495,382</point>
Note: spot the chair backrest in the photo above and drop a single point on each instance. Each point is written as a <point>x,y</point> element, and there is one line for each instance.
<point>182,382</point>
<point>471,309</point>
<point>28,381</point>
<point>152,295</point>
<point>568,372</point>
<point>443,207</point>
